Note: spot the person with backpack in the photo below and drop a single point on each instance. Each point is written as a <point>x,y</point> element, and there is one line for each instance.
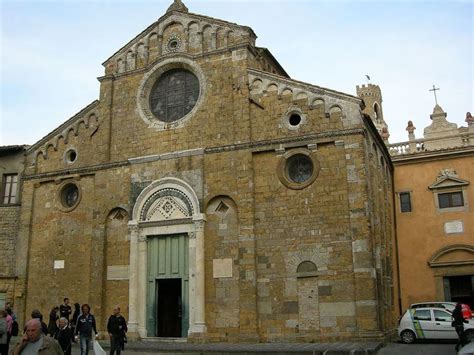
<point>84,327</point>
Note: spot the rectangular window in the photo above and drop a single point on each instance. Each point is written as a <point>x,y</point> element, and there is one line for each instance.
<point>10,182</point>
<point>450,199</point>
<point>405,202</point>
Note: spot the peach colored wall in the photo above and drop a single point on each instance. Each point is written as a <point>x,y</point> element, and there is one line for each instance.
<point>421,232</point>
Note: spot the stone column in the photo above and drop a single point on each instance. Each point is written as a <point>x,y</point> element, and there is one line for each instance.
<point>199,319</point>
<point>133,281</point>
<point>142,285</point>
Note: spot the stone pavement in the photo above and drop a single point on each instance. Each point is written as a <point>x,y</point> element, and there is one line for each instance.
<point>156,347</point>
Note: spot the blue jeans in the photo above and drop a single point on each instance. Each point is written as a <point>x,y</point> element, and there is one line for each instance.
<point>85,344</point>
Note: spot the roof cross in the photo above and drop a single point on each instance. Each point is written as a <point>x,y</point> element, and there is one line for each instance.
<point>434,92</point>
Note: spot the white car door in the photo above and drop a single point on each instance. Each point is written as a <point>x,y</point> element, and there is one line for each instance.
<point>423,323</point>
<point>442,325</point>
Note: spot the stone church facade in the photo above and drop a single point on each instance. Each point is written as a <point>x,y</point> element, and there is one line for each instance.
<point>212,197</point>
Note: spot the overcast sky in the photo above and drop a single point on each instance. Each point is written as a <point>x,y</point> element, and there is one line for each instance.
<point>51,53</point>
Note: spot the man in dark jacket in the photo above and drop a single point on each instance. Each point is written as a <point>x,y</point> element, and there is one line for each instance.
<point>84,327</point>
<point>458,324</point>
<point>65,309</point>
<point>117,328</point>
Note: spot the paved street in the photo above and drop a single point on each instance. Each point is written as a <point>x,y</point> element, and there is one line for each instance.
<point>431,348</point>
<point>416,349</point>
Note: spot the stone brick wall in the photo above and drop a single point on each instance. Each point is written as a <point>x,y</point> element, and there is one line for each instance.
<point>231,152</point>
<point>9,220</point>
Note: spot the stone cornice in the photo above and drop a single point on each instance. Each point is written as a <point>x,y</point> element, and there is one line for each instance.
<point>318,90</point>
<point>265,145</point>
<point>441,154</point>
<point>271,144</point>
<point>76,171</point>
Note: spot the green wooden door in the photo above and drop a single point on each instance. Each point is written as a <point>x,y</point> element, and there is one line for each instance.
<point>167,259</point>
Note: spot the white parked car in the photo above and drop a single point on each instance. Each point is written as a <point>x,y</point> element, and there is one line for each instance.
<point>430,323</point>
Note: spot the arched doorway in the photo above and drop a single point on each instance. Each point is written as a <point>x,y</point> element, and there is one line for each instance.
<point>166,289</point>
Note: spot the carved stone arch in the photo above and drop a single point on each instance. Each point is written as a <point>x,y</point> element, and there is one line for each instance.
<point>272,87</point>
<point>165,199</point>
<point>130,60</point>
<point>335,109</point>
<point>453,255</point>
<point>71,130</point>
<point>194,38</point>
<point>37,154</point>
<point>232,37</point>
<point>286,91</point>
<point>120,213</point>
<point>191,24</point>
<point>120,65</point>
<point>318,257</point>
<point>207,37</point>
<point>50,145</point>
<point>318,101</point>
<point>221,205</point>
<point>92,120</point>
<point>168,24</point>
<point>256,86</point>
<point>141,50</point>
<point>301,95</point>
<point>306,266</point>
<point>221,38</point>
<point>56,141</point>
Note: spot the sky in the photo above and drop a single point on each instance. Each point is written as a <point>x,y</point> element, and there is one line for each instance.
<point>51,53</point>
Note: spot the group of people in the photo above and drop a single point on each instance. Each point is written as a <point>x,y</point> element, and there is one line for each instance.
<point>57,337</point>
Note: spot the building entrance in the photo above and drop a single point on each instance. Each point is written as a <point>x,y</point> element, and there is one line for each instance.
<point>460,289</point>
<point>167,291</point>
<point>169,307</point>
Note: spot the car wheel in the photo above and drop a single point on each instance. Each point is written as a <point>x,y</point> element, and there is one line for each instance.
<point>469,334</point>
<point>408,336</point>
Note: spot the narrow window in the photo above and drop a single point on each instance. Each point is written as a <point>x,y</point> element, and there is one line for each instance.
<point>405,202</point>
<point>10,182</point>
<point>450,199</point>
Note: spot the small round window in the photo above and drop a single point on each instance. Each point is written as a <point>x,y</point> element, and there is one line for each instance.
<point>295,119</point>
<point>174,95</point>
<point>69,196</point>
<point>71,156</point>
<point>298,168</point>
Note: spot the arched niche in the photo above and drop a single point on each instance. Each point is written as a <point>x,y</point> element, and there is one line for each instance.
<point>453,255</point>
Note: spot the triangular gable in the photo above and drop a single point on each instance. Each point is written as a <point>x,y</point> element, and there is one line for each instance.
<point>448,181</point>
<point>141,42</point>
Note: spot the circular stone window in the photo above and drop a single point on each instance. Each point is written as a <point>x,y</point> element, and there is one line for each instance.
<point>295,119</point>
<point>174,44</point>
<point>71,156</point>
<point>69,196</point>
<point>298,168</point>
<point>174,95</point>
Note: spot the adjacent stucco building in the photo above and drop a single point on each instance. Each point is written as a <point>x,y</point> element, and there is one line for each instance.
<point>435,217</point>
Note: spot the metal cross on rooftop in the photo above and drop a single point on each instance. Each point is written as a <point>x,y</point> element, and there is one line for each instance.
<point>434,92</point>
